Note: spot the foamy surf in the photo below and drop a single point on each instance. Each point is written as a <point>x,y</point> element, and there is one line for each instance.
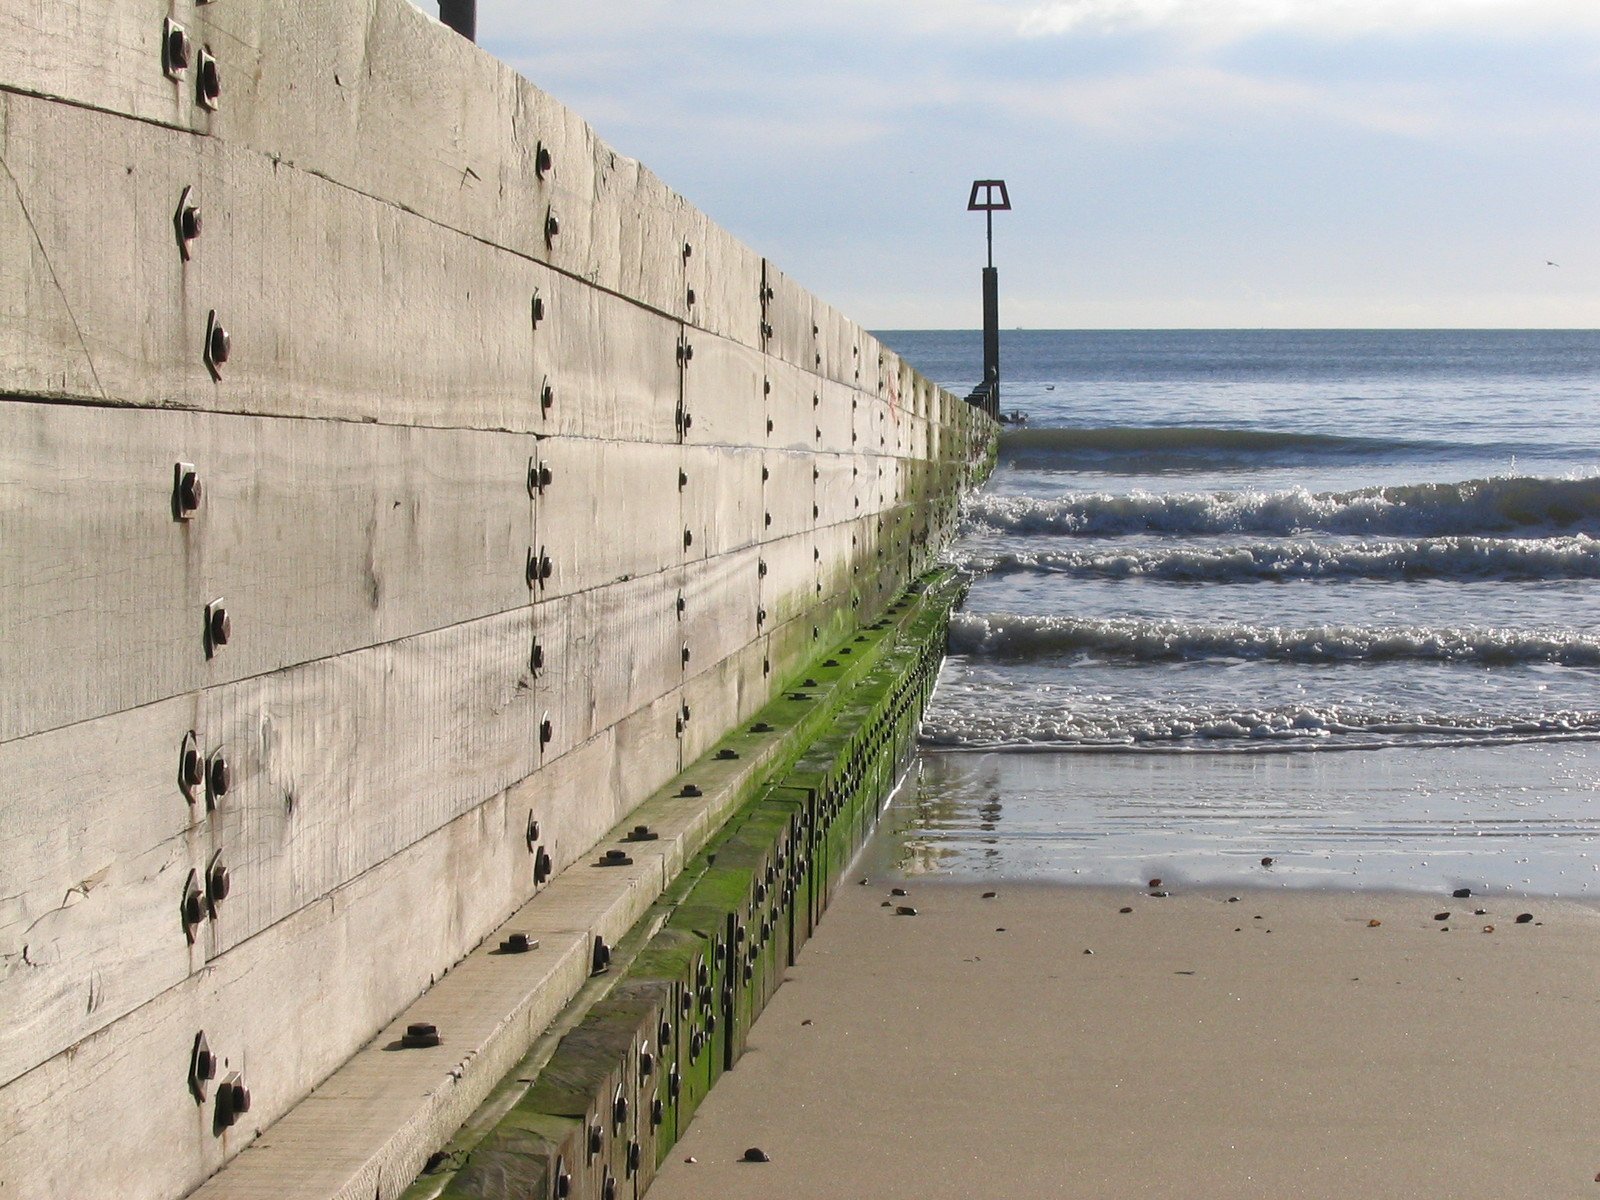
<point>1175,447</point>
<point>1240,729</point>
<point>1446,558</point>
<point>1014,636</point>
<point>1502,505</point>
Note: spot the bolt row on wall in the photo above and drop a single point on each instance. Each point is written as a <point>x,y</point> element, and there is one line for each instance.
<point>397,486</point>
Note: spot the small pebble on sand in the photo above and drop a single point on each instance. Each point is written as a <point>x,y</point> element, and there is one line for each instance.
<point>1524,918</point>
<point>897,891</point>
<point>756,1154</point>
<point>1125,909</point>
<point>1156,882</point>
<point>1461,893</point>
<point>990,895</point>
<point>1374,923</point>
<point>1444,916</point>
<point>905,910</point>
<point>1267,862</point>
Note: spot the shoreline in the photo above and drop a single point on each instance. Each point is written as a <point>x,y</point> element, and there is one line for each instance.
<point>1278,1045</point>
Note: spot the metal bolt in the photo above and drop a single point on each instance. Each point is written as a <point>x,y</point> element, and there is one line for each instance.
<point>219,626</point>
<point>193,906</point>
<point>420,1035</point>
<point>218,882</point>
<point>208,81</point>
<point>601,959</point>
<point>691,296</point>
<point>174,48</point>
<point>538,308</point>
<point>233,1099</point>
<point>547,396</point>
<point>186,221</point>
<point>220,776</point>
<point>688,250</point>
<point>202,1066</point>
<point>541,161</point>
<point>187,491</point>
<point>686,654</point>
<point>218,345</point>
<point>596,1138</point>
<point>552,227</point>
<point>547,732</point>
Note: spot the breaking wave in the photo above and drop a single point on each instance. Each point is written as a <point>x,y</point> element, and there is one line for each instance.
<point>1168,448</point>
<point>1477,558</point>
<point>1288,727</point>
<point>1504,505</point>
<point>1014,637</point>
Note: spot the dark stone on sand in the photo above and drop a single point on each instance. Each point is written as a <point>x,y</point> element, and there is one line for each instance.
<point>807,1021</point>
<point>1524,918</point>
<point>1480,912</point>
<point>1267,862</point>
<point>1126,910</point>
<point>999,928</point>
<point>756,1154</point>
<point>1233,899</point>
<point>990,895</point>
<point>1444,916</point>
<point>905,910</point>
<point>1156,882</point>
<point>1461,893</point>
<point>897,891</point>
<point>1159,895</point>
<point>862,882</point>
<point>886,904</point>
<point>1088,951</point>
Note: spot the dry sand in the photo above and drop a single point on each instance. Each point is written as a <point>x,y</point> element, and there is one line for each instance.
<point>1279,1046</point>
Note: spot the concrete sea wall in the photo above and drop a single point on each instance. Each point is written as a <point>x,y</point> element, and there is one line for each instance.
<point>398,490</point>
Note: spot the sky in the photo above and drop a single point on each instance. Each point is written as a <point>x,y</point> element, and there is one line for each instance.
<point>1171,163</point>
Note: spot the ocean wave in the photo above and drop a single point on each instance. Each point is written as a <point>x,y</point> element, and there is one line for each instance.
<point>1010,636</point>
<point>1155,448</point>
<point>1289,727</point>
<point>1478,558</point>
<point>1507,504</point>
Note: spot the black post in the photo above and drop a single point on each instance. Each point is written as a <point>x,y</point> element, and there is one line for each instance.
<point>991,340</point>
<point>995,198</point>
<point>462,16</point>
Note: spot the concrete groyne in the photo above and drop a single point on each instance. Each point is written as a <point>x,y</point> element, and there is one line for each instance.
<point>398,489</point>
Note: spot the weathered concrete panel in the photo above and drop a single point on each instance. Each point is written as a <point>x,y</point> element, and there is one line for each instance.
<point>790,496</point>
<point>611,511</point>
<point>725,275</point>
<point>723,393</point>
<point>790,585</point>
<point>721,608</point>
<point>606,652</point>
<point>319,537</point>
<point>836,410</point>
<point>333,768</point>
<point>723,499</point>
<point>793,397</point>
<point>729,692</point>
<point>787,317</point>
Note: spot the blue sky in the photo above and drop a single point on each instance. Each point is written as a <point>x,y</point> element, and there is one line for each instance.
<point>1173,163</point>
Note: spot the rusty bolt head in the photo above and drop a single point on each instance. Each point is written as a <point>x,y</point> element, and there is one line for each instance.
<point>219,626</point>
<point>208,81</point>
<point>219,344</point>
<point>538,308</point>
<point>597,1135</point>
<point>547,397</point>
<point>547,731</point>
<point>193,903</point>
<point>563,1185</point>
<point>220,776</point>
<point>552,227</point>
<point>189,222</point>
<point>691,297</point>
<point>688,250</point>
<point>542,161</point>
<point>218,883</point>
<point>193,768</point>
<point>190,493</point>
<point>686,655</point>
<point>175,49</point>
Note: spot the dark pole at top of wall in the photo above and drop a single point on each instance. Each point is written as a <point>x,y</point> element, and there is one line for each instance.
<point>994,199</point>
<point>462,16</point>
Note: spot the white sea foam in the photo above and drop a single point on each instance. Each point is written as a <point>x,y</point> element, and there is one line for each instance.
<point>1511,504</point>
<point>1237,728</point>
<point>1571,557</point>
<point>1015,636</point>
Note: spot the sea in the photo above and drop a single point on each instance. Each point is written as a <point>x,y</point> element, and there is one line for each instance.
<point>1292,608</point>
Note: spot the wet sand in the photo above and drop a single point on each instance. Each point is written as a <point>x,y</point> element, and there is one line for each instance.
<point>1279,1046</point>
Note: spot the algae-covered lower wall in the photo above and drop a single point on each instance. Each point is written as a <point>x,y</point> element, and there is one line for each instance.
<point>397,487</point>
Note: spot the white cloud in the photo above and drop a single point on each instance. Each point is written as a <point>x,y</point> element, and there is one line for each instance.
<point>1329,17</point>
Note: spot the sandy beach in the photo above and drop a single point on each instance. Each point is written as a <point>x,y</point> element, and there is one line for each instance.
<point>1288,1043</point>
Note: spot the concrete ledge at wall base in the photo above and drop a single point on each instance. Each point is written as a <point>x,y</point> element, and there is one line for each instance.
<point>371,1128</point>
<point>592,1112</point>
